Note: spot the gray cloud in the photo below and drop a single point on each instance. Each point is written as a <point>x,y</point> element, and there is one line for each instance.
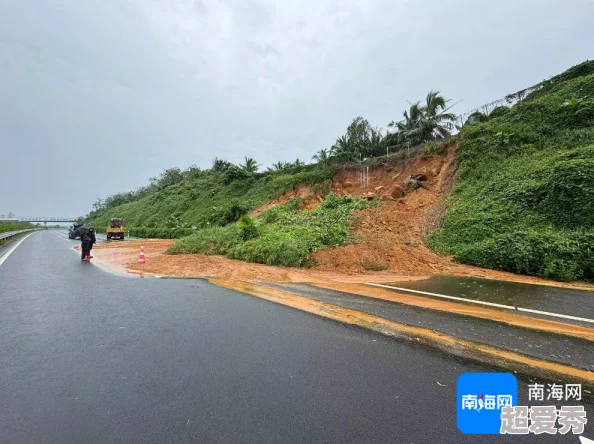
<point>99,96</point>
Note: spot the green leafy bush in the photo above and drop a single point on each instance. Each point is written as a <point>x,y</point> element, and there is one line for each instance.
<point>214,240</point>
<point>286,236</point>
<point>373,265</point>
<point>248,228</point>
<point>228,213</point>
<point>289,248</point>
<point>498,112</point>
<point>560,255</point>
<point>157,233</point>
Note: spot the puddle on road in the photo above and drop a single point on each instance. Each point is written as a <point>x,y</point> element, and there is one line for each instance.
<point>537,297</point>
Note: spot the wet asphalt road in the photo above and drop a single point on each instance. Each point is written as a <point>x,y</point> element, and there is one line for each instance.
<point>89,356</point>
<point>550,347</point>
<point>566,301</point>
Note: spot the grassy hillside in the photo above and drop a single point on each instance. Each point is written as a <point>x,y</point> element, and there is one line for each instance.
<point>215,199</point>
<point>282,235</point>
<point>524,201</point>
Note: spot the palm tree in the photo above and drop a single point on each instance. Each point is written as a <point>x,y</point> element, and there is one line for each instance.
<point>376,142</point>
<point>425,122</point>
<point>220,165</point>
<point>250,165</point>
<point>322,157</point>
<point>437,122</point>
<point>277,167</point>
<point>343,149</point>
<point>409,128</point>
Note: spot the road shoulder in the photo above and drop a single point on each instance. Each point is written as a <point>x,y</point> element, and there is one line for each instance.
<point>457,346</point>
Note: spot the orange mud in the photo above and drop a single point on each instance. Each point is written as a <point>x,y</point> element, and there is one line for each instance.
<point>123,257</point>
<point>389,237</point>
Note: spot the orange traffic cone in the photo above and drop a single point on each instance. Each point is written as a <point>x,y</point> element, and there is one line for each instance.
<point>141,256</point>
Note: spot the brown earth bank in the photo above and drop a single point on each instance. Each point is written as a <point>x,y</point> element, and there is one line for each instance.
<point>388,240</point>
<point>391,235</point>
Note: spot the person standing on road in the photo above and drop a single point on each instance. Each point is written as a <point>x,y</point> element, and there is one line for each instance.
<point>86,242</point>
<point>93,240</point>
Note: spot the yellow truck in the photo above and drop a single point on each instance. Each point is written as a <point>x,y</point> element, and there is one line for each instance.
<point>115,229</point>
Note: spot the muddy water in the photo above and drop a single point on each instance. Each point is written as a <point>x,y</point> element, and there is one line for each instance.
<point>536,297</point>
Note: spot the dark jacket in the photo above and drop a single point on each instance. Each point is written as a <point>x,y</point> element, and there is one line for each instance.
<point>88,238</point>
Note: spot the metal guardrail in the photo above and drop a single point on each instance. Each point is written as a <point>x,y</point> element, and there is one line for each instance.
<point>14,233</point>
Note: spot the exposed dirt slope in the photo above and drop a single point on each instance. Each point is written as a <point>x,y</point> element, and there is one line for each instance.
<point>391,236</point>
<point>309,200</point>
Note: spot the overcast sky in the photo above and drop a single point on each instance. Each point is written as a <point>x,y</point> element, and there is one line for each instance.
<point>97,96</point>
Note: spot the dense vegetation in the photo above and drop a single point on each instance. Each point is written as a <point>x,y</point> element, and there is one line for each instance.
<point>180,201</point>
<point>524,201</point>
<point>213,199</point>
<point>282,235</point>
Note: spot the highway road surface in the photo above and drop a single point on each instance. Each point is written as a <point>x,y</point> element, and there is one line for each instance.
<point>88,356</point>
<point>101,237</point>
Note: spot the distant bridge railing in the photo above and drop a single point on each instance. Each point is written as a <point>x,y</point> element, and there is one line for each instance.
<point>47,219</point>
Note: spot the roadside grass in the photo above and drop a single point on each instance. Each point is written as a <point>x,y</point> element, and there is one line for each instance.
<point>282,235</point>
<point>4,228</point>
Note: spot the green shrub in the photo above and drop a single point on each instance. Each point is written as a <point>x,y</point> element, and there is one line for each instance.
<point>569,188</point>
<point>248,228</point>
<point>562,256</point>
<point>498,112</point>
<point>228,213</point>
<point>373,265</point>
<point>214,240</point>
<point>277,247</point>
<point>476,117</point>
<point>286,236</point>
<point>156,233</point>
<point>234,173</point>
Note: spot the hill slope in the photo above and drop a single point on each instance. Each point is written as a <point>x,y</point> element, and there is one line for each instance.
<point>524,200</point>
<point>212,200</point>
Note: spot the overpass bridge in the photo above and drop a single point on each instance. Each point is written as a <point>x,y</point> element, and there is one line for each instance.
<point>45,220</point>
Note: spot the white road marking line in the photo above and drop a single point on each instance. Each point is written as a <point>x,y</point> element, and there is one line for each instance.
<point>455,298</point>
<point>491,304</point>
<point>8,253</point>
<point>558,315</point>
